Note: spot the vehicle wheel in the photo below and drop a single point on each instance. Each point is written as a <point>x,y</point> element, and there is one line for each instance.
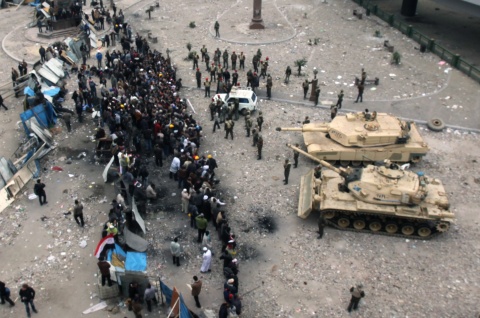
<point>343,222</point>
<point>244,112</point>
<point>391,228</point>
<point>366,163</point>
<point>375,226</point>
<point>344,163</point>
<point>424,231</point>
<point>443,227</point>
<point>436,124</point>
<point>332,162</point>
<point>356,163</point>
<point>329,215</point>
<point>408,229</point>
<point>359,224</point>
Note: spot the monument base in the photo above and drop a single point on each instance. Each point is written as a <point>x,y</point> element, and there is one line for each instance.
<point>257,25</point>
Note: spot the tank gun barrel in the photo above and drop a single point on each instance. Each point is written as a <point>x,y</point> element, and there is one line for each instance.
<point>341,171</point>
<point>303,129</point>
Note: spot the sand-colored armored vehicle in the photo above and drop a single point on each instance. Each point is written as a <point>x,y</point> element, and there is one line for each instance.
<point>376,199</point>
<point>363,137</point>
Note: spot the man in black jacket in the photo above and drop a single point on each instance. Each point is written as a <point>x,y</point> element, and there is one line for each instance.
<point>27,295</point>
<point>39,190</point>
<point>5,294</point>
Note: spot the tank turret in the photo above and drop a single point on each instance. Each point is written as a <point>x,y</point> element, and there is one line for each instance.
<point>363,136</point>
<point>387,199</point>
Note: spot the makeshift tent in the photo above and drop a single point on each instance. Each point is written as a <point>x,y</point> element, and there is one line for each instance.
<point>44,114</point>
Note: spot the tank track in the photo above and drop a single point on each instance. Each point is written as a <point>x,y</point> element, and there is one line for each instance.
<point>352,217</point>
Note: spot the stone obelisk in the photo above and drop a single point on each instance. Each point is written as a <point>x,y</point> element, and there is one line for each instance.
<point>257,22</point>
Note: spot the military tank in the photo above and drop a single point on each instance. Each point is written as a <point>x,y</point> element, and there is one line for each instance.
<point>382,199</point>
<point>363,137</point>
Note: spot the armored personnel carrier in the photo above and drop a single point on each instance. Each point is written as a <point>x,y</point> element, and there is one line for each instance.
<point>376,199</point>
<point>363,137</point>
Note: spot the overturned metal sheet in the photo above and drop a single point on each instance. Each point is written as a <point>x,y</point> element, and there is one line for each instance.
<point>55,66</point>
<point>138,218</point>
<point>134,241</point>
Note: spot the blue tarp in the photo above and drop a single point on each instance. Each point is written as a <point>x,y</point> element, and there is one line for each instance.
<point>136,262</point>
<point>184,312</point>
<point>167,292</point>
<point>44,114</point>
<point>28,91</point>
<point>51,91</point>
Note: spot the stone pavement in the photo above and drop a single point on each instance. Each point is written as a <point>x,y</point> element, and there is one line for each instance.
<point>282,34</point>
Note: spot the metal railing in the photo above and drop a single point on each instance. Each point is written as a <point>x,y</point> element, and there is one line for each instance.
<point>453,59</point>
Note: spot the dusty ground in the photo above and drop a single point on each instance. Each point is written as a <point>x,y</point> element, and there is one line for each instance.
<point>285,270</point>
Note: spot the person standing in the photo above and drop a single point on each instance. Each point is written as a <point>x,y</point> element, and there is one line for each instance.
<point>99,57</point>
<point>1,102</point>
<point>306,121</point>
<point>104,267</point>
<point>196,289</point>
<point>241,58</point>
<point>224,310</point>
<point>39,25</point>
<point>39,190</point>
<point>216,123</point>
<point>340,99</point>
<point>27,295</point>
<point>288,72</point>
<point>317,95</point>
<point>305,86</point>
<point>149,296</point>
<point>203,51</point>
<point>67,118</point>
<point>229,128</point>
<point>42,53</point>
<point>295,157</point>
<point>78,213</point>
<point>357,294</point>
<point>248,125</point>
<point>269,86</point>
<point>321,225</point>
<point>207,84</point>
<point>5,294</point>
<point>286,170</point>
<point>207,260</point>
<point>260,121</point>
<point>176,251</point>
<point>202,223</point>
<point>198,76</point>
<point>259,146</point>
<point>255,137</point>
<point>360,87</point>
<point>333,111</point>
<point>217,29</point>
<point>185,200</point>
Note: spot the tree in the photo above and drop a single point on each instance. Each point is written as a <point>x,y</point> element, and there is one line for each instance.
<point>299,64</point>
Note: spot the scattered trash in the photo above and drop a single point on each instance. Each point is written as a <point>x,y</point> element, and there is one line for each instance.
<point>83,244</point>
<point>32,196</point>
<point>83,154</point>
<point>67,213</point>
<point>57,168</point>
<point>71,175</point>
<point>43,218</point>
<point>442,63</point>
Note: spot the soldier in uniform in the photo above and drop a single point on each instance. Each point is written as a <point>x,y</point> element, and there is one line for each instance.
<point>207,61</point>
<point>217,29</point>
<point>357,294</point>
<point>236,108</point>
<point>260,121</point>
<point>229,128</point>
<point>263,68</point>
<point>255,60</point>
<point>286,170</point>
<point>219,86</point>
<point>216,123</point>
<point>213,72</point>
<point>234,60</point>
<point>203,51</point>
<point>295,157</point>
<point>225,59</point>
<point>235,78</point>
<point>288,72</point>
<point>340,99</point>
<point>198,76</point>
<point>364,77</point>
<point>306,121</point>
<point>305,86</point>
<point>333,111</point>
<point>255,82</point>
<point>207,84</point>
<point>195,61</point>
<point>321,225</point>
<point>223,113</point>
<point>317,95</point>
<point>242,61</point>
<point>259,146</point>
<point>255,137</point>
<point>219,72</point>
<point>249,77</point>
<point>248,125</point>
<point>360,87</point>
<point>269,86</point>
